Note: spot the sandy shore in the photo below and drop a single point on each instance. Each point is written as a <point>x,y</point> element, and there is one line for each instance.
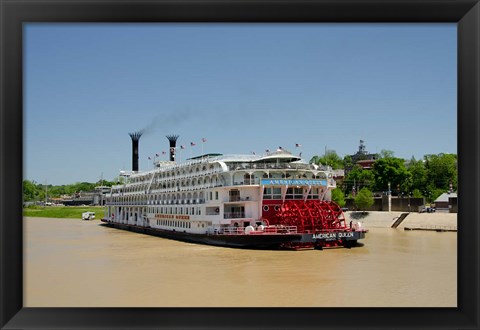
<point>413,220</point>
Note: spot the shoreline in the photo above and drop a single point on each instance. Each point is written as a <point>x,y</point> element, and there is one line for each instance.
<point>414,220</point>
<point>438,221</point>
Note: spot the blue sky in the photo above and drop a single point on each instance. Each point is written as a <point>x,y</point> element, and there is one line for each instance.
<point>243,87</point>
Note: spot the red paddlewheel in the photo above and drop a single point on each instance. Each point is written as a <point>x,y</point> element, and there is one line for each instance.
<point>311,215</point>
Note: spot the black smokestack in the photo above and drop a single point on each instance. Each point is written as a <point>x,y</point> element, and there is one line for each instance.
<point>135,137</point>
<point>173,142</point>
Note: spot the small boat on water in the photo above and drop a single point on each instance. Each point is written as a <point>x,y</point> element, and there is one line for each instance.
<point>269,201</point>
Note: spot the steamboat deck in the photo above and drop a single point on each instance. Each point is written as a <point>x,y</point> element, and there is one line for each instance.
<point>271,201</point>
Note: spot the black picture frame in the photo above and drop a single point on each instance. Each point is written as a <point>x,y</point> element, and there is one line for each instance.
<point>466,13</point>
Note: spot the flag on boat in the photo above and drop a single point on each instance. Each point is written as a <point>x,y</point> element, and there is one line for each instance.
<point>149,158</point>
<point>164,152</point>
<point>204,140</point>
<point>192,144</point>
<point>298,145</point>
<point>182,147</point>
<point>157,155</point>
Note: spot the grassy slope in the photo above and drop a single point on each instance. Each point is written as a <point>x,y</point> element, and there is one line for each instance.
<point>73,212</point>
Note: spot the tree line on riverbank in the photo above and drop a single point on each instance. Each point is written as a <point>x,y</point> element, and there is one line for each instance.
<point>34,191</point>
<point>428,177</point>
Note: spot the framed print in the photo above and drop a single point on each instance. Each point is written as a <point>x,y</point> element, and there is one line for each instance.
<point>193,21</point>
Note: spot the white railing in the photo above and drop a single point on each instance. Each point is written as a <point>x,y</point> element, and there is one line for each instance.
<point>258,231</point>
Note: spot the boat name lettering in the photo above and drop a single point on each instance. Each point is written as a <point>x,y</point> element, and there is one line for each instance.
<point>331,236</point>
<point>325,236</point>
<point>172,216</point>
<point>298,182</point>
<point>342,235</point>
<point>165,216</point>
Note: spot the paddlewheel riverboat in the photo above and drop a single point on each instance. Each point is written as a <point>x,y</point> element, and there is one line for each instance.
<point>272,201</point>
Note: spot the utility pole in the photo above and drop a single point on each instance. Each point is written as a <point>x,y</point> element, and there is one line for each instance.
<point>389,198</point>
<point>46,192</point>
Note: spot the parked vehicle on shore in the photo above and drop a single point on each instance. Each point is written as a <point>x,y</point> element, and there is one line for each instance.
<point>428,209</point>
<point>88,215</point>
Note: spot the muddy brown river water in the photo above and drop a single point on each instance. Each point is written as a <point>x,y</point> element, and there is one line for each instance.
<point>75,263</point>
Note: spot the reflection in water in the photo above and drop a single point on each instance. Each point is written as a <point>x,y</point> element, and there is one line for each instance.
<point>74,263</point>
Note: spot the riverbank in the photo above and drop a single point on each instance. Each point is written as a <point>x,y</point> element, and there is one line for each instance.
<point>375,219</point>
<point>413,220</point>
<point>65,212</point>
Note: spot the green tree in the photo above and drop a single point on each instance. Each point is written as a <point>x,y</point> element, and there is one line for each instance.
<point>105,183</point>
<point>418,174</point>
<point>348,162</point>
<point>417,193</point>
<point>364,199</point>
<point>384,153</point>
<point>436,193</point>
<point>30,191</point>
<point>393,171</point>
<point>337,197</point>
<point>330,158</point>
<point>359,177</point>
<point>441,171</point>
<point>81,186</point>
<point>33,191</point>
<point>42,191</point>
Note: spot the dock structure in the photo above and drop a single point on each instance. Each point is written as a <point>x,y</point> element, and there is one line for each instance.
<point>434,228</point>
<point>399,220</point>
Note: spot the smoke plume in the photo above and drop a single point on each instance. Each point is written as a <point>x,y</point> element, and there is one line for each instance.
<point>162,122</point>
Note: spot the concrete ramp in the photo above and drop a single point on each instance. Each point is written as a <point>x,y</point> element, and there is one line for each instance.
<point>399,220</point>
